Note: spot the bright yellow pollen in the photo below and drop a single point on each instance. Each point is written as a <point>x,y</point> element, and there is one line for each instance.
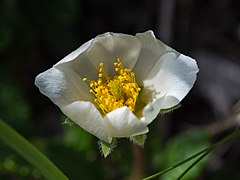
<point>114,92</point>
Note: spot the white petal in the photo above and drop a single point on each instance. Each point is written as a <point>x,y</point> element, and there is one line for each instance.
<point>78,62</point>
<point>88,117</point>
<point>76,53</point>
<point>122,122</point>
<point>173,75</point>
<point>152,50</point>
<point>151,110</point>
<point>62,87</point>
<point>107,47</point>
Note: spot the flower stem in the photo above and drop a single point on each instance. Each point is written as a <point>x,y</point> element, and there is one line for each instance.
<point>29,152</point>
<point>203,153</point>
<point>138,163</point>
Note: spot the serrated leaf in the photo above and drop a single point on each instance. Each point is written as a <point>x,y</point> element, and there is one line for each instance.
<point>69,122</point>
<point>106,148</point>
<point>139,140</point>
<point>164,111</point>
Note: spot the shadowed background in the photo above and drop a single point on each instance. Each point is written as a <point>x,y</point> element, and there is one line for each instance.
<point>36,35</point>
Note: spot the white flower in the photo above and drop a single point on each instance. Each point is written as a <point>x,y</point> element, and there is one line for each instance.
<point>161,77</point>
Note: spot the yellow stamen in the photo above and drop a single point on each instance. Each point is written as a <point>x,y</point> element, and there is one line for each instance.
<point>117,91</point>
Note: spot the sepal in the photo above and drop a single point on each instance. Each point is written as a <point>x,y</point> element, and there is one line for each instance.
<point>107,148</point>
<point>139,139</point>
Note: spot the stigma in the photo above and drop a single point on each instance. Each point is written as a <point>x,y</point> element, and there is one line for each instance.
<point>114,92</point>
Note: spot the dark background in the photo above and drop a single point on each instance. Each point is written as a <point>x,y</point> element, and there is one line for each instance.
<point>34,35</point>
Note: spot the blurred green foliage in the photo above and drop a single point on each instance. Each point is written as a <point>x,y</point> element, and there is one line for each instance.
<point>16,110</point>
<point>181,147</point>
<point>14,107</point>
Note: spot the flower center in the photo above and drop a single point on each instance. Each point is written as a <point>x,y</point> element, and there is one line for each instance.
<point>117,91</point>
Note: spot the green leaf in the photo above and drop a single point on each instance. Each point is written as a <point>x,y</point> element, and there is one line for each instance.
<point>139,140</point>
<point>164,111</point>
<point>106,148</point>
<point>29,152</point>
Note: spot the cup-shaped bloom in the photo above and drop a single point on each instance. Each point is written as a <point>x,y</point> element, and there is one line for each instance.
<point>116,84</point>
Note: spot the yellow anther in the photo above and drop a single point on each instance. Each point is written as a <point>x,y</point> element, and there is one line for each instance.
<point>100,70</point>
<point>131,108</point>
<point>96,90</point>
<point>99,81</point>
<point>114,92</point>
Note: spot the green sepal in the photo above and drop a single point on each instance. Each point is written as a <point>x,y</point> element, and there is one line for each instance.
<point>139,139</point>
<point>164,111</point>
<point>69,122</point>
<point>107,148</point>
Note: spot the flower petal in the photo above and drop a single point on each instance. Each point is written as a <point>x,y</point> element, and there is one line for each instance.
<point>106,48</point>
<point>122,122</point>
<point>152,50</point>
<point>151,110</point>
<point>88,117</point>
<point>73,55</point>
<point>78,62</point>
<point>62,87</point>
<point>173,75</point>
